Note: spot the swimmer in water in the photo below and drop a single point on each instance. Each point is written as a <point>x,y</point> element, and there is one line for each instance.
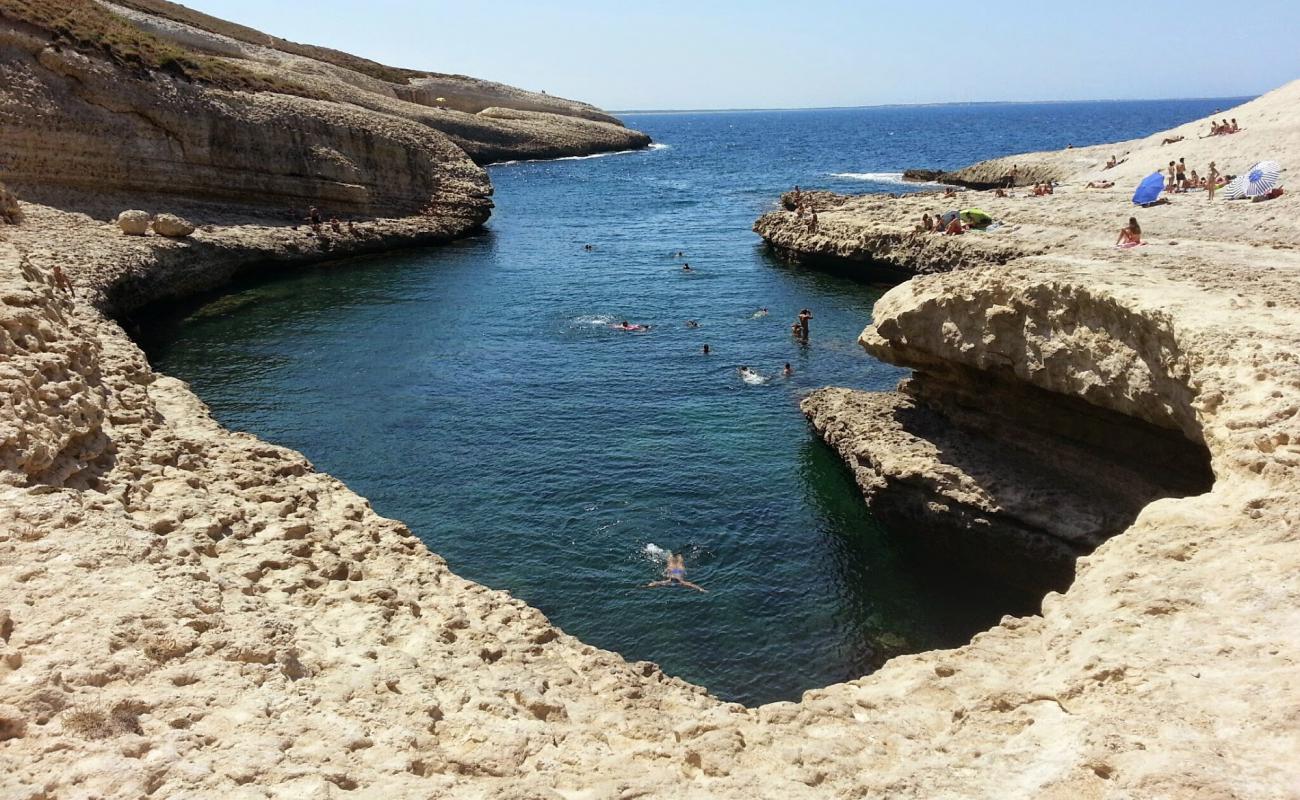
<point>706,349</point>
<point>796,329</point>
<point>588,247</point>
<point>762,312</point>
<point>686,268</point>
<point>675,572</point>
<point>804,316</point>
<point>690,323</point>
<point>788,371</point>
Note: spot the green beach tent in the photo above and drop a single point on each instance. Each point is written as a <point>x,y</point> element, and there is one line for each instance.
<point>976,217</point>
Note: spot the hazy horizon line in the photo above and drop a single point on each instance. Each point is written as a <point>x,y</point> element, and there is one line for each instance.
<point>757,109</point>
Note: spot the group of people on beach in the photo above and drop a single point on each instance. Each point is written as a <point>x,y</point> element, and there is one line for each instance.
<point>1179,179</point>
<point>1224,128</point>
<point>949,224</point>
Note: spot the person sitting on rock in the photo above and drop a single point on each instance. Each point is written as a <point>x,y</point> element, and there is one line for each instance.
<point>335,225</point>
<point>955,228</point>
<point>812,221</point>
<point>1130,235</point>
<point>926,225</point>
<point>1112,163</point>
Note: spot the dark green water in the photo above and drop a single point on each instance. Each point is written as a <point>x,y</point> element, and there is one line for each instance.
<point>477,392</point>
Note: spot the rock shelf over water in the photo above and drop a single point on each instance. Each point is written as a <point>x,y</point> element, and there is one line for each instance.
<point>1061,387</point>
<point>187,611</point>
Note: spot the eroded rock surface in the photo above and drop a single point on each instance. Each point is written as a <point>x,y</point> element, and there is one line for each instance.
<point>186,611</point>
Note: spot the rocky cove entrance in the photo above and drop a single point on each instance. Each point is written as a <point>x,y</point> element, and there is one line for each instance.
<point>478,393</point>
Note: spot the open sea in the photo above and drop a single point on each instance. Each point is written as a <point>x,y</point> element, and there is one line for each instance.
<point>479,393</point>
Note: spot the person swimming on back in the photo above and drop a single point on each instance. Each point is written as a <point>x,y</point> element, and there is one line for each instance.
<point>627,326</point>
<point>675,572</point>
<point>762,312</point>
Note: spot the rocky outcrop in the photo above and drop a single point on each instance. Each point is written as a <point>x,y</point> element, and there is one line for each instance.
<point>172,226</point>
<point>133,222</point>
<point>489,121</point>
<point>10,212</point>
<point>82,124</point>
<point>76,118</point>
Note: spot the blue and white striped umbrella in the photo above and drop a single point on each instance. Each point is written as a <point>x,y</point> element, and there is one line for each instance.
<point>1262,178</point>
<point>1235,189</point>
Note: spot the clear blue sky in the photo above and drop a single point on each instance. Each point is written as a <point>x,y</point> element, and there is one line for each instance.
<point>805,53</point>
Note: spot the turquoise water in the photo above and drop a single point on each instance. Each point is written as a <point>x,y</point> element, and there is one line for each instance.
<point>477,392</point>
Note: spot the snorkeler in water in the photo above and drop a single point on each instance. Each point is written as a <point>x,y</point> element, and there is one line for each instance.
<point>675,572</point>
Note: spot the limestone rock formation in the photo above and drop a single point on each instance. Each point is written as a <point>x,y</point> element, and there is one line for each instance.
<point>172,226</point>
<point>312,132</point>
<point>133,222</point>
<point>10,212</point>
<point>187,611</point>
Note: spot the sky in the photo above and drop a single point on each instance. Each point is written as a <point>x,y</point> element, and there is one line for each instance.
<point>675,54</point>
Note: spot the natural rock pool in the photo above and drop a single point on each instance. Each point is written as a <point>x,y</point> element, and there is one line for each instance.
<point>478,392</point>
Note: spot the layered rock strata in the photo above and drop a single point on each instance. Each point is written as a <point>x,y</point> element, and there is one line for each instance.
<point>73,118</point>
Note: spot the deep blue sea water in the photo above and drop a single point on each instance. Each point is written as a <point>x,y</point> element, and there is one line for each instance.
<point>477,392</point>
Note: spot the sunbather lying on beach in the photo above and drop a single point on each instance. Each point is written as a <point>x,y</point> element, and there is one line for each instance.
<point>1171,140</point>
<point>1099,184</point>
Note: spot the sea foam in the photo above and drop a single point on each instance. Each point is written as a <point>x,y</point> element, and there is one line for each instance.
<point>652,146</point>
<point>879,177</point>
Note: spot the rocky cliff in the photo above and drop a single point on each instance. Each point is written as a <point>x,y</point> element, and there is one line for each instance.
<point>101,98</point>
<point>187,611</point>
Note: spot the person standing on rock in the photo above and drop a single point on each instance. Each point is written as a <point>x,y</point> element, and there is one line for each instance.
<point>1011,177</point>
<point>1181,173</point>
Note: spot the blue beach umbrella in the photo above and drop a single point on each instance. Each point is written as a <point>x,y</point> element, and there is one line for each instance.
<point>1262,178</point>
<point>1149,189</point>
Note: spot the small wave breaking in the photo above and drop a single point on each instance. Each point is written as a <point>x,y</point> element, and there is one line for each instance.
<point>652,146</point>
<point>891,178</point>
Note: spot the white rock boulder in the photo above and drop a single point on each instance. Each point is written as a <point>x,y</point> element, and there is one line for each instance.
<point>133,223</point>
<point>172,225</point>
